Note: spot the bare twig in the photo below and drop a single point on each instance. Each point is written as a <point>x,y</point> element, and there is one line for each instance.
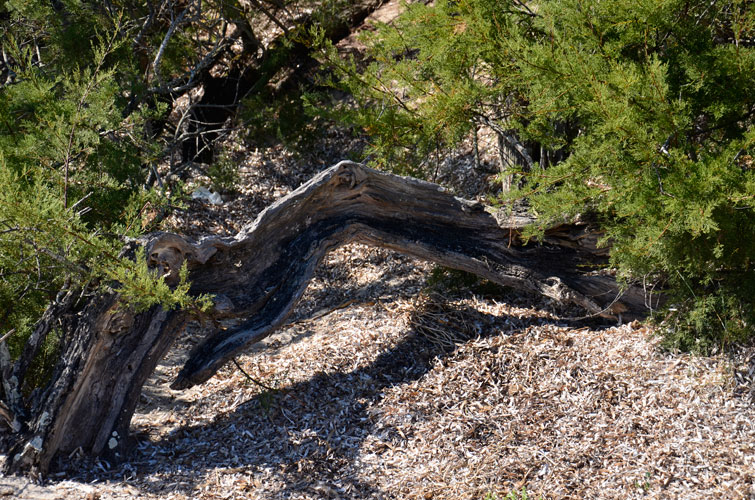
<point>266,387</point>
<point>7,335</point>
<point>270,16</point>
<point>164,44</point>
<point>509,138</point>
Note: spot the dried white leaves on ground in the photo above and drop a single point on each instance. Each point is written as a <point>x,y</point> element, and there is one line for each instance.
<point>372,401</point>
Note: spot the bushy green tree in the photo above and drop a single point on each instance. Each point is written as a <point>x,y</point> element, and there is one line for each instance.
<point>74,153</point>
<point>97,100</point>
<point>642,114</point>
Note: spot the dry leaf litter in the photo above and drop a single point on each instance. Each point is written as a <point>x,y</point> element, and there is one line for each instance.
<point>382,387</point>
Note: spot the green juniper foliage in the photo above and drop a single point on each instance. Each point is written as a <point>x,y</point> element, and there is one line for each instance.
<point>71,162</point>
<point>640,113</point>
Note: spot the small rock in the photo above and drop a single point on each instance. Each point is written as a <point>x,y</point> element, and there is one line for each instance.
<point>204,194</point>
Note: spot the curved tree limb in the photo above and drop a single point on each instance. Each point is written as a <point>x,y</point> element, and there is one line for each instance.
<point>262,273</point>
<point>258,276</point>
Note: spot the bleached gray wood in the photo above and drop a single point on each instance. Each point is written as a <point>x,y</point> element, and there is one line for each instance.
<point>262,272</point>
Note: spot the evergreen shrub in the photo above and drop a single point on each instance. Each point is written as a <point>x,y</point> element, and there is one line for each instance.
<point>72,163</point>
<point>641,114</point>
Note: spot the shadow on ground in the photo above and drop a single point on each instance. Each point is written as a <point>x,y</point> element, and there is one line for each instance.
<point>306,437</point>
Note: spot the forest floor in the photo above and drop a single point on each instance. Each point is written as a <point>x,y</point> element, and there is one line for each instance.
<point>394,381</point>
<point>391,383</point>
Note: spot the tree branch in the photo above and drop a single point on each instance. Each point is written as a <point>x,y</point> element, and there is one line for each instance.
<point>260,274</point>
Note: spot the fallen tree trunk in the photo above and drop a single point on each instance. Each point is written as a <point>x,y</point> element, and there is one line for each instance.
<point>258,276</point>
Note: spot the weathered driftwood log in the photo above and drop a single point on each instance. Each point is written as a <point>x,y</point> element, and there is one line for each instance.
<point>258,276</point>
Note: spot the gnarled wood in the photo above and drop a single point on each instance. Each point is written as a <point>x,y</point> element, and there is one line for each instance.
<point>260,274</point>
<point>267,266</point>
